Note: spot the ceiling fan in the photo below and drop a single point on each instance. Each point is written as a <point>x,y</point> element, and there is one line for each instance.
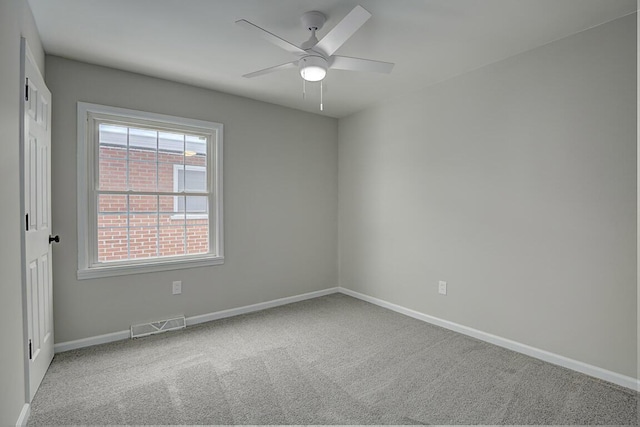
<point>316,57</point>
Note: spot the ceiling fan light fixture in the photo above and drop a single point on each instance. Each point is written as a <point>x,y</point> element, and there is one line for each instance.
<point>313,68</point>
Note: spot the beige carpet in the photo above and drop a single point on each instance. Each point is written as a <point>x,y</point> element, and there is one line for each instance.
<point>330,360</point>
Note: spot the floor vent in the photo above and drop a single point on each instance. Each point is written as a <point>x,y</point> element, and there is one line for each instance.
<point>145,329</point>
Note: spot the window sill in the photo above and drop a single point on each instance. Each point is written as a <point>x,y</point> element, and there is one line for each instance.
<point>150,266</point>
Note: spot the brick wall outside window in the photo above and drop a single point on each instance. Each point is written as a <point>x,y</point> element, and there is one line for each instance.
<point>155,229</point>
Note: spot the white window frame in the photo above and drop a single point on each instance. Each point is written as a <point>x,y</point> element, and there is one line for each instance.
<point>89,117</point>
<point>176,172</point>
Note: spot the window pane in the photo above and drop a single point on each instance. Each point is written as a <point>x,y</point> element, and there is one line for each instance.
<point>179,177</point>
<point>142,176</point>
<point>194,219</point>
<point>143,226</point>
<point>198,239</point>
<point>139,155</point>
<point>108,220</point>
<point>112,137</point>
<point>112,203</point>
<point>143,211</point>
<point>112,210</point>
<point>112,244</point>
<point>142,204</point>
<point>196,205</point>
<point>143,144</point>
<point>171,173</point>
<point>166,175</point>
<point>171,241</point>
<point>143,242</point>
<point>170,223</point>
<point>195,150</point>
<point>171,157</point>
<point>168,214</point>
<point>172,219</point>
<point>112,165</point>
<point>193,180</point>
<point>111,152</point>
<point>112,174</point>
<point>112,227</point>
<point>143,220</point>
<point>170,144</point>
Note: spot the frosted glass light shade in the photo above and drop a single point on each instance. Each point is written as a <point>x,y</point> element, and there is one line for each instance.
<point>313,68</point>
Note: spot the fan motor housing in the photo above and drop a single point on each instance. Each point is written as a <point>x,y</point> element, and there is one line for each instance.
<point>313,20</point>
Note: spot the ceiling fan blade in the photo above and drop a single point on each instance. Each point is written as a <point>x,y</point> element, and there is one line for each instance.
<point>286,66</point>
<point>281,43</point>
<point>341,32</point>
<point>359,64</point>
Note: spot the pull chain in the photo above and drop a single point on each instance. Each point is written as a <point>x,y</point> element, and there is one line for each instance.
<point>304,87</point>
<point>321,106</point>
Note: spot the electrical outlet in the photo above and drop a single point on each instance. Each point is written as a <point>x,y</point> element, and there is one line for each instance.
<point>177,287</point>
<point>442,287</point>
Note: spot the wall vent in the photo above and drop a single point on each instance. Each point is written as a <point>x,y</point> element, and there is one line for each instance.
<point>152,328</point>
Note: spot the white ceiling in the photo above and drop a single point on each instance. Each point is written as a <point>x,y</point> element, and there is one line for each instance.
<point>197,42</point>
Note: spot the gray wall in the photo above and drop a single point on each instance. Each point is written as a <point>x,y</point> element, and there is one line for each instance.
<point>280,204</point>
<point>15,21</point>
<point>516,183</point>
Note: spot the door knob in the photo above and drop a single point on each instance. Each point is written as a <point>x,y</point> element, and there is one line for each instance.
<point>55,238</point>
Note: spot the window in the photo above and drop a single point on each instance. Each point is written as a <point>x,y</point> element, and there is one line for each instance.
<point>149,192</point>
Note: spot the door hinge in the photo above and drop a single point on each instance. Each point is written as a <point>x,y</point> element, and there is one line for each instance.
<point>30,350</point>
<point>27,221</point>
<point>26,89</point>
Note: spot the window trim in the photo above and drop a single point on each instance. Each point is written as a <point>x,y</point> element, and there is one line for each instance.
<point>87,169</point>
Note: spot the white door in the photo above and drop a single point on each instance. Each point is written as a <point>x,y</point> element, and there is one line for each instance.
<point>36,150</point>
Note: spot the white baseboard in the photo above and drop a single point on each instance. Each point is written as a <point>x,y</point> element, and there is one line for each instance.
<point>194,320</point>
<point>88,342</point>
<point>24,416</point>
<point>556,359</point>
